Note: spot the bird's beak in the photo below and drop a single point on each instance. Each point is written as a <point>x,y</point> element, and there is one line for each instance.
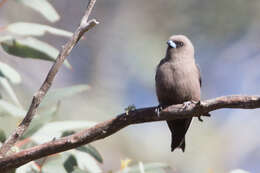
<point>171,44</point>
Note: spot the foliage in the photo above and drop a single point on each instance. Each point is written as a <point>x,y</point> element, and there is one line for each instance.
<point>21,42</point>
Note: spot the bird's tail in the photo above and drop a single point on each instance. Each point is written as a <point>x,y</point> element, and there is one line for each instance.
<point>178,129</point>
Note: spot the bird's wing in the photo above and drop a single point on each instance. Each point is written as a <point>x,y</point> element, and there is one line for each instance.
<point>198,68</point>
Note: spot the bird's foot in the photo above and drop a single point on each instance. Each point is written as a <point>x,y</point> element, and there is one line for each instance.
<point>158,109</point>
<point>200,119</point>
<point>188,103</point>
<point>206,115</point>
<point>197,103</point>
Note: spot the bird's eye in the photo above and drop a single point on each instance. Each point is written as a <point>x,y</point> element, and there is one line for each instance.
<point>179,44</point>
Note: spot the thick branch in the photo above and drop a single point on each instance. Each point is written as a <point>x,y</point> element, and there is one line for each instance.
<point>38,96</point>
<point>110,127</point>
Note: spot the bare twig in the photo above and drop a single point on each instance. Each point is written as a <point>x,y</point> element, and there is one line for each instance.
<point>85,25</point>
<point>110,127</point>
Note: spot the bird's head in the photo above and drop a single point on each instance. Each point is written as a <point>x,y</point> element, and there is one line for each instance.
<point>179,46</point>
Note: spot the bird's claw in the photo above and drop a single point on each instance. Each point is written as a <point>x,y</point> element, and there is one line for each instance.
<point>197,103</point>
<point>158,109</point>
<point>200,119</point>
<point>207,115</point>
<point>188,103</point>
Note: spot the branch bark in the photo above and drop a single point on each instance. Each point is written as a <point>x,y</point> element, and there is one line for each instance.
<point>110,127</point>
<point>85,25</point>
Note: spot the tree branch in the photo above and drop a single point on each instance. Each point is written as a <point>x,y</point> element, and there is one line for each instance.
<point>110,127</point>
<point>85,25</point>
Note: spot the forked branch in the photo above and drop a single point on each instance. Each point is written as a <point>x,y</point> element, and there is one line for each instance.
<point>85,25</point>
<point>110,127</point>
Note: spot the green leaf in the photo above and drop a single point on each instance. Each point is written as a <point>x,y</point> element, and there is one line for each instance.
<point>85,161</point>
<point>34,29</point>
<point>54,165</point>
<point>7,108</point>
<point>31,48</point>
<point>43,7</point>
<point>67,133</point>
<point>70,163</point>
<point>60,94</point>
<point>2,135</point>
<point>55,129</point>
<point>9,90</point>
<point>9,73</point>
<point>92,151</point>
<point>30,167</point>
<point>40,120</point>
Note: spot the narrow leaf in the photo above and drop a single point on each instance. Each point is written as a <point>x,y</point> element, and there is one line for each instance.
<point>70,163</point>
<point>31,48</point>
<point>60,94</point>
<point>40,120</point>
<point>2,135</point>
<point>92,151</point>
<point>67,133</point>
<point>9,90</point>
<point>30,167</point>
<point>43,7</point>
<point>85,161</point>
<point>53,164</point>
<point>7,108</point>
<point>9,73</point>
<point>55,129</point>
<point>34,29</point>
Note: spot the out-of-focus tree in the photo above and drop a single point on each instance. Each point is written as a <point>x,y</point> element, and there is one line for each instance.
<point>118,62</point>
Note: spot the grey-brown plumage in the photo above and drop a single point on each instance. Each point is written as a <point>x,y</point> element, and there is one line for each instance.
<point>177,81</point>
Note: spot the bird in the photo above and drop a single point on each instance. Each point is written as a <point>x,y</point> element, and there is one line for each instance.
<point>178,81</point>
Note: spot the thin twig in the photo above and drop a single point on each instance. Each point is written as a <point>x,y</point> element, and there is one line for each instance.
<point>110,127</point>
<point>38,96</point>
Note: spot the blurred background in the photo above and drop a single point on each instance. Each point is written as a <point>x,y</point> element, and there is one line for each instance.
<point>118,58</point>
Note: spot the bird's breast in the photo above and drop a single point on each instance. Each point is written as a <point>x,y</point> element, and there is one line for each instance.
<point>177,83</point>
